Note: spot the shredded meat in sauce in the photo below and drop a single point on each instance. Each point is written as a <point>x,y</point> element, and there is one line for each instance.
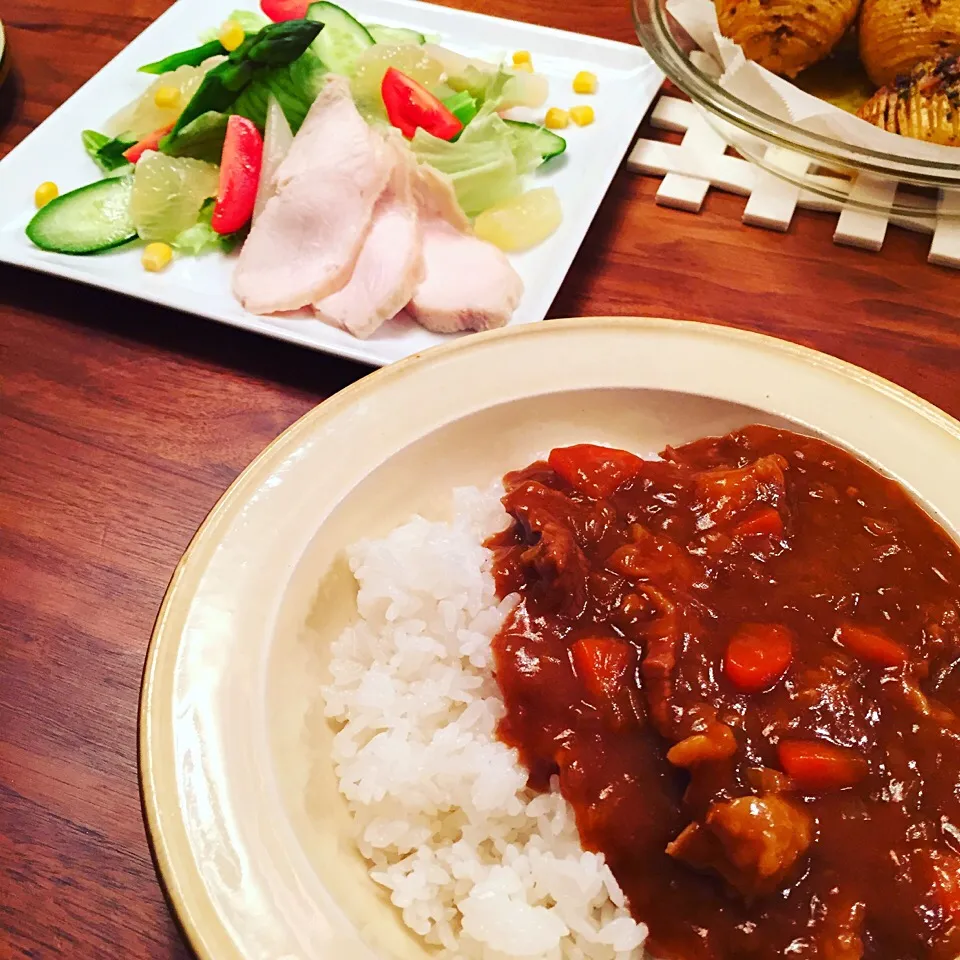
<point>743,662</point>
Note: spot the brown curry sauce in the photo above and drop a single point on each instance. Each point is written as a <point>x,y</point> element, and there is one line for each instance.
<point>810,805</point>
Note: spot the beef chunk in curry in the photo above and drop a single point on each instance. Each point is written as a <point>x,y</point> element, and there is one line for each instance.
<point>742,661</point>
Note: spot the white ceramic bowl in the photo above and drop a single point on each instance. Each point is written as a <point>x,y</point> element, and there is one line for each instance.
<point>251,835</point>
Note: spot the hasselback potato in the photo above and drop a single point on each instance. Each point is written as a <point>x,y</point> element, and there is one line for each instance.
<point>924,105</point>
<point>786,36</point>
<point>896,35</point>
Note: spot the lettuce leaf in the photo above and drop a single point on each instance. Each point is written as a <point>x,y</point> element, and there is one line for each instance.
<point>201,238</point>
<point>251,22</point>
<point>197,240</point>
<point>524,149</point>
<point>485,86</point>
<point>485,164</point>
<point>500,89</point>
<point>482,163</point>
<point>295,86</point>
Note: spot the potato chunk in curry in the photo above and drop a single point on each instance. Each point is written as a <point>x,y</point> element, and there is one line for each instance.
<point>752,842</point>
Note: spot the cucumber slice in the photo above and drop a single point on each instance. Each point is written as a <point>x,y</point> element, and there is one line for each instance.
<point>342,39</point>
<point>88,220</point>
<point>394,35</point>
<point>545,142</point>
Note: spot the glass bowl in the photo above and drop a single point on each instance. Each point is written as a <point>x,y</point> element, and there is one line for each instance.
<point>926,190</point>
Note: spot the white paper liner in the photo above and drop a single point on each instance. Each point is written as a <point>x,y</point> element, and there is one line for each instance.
<point>779,98</point>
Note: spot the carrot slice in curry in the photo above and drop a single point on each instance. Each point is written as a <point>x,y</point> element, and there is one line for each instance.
<point>871,645</point>
<point>818,766</point>
<point>758,656</point>
<point>594,470</point>
<point>767,520</point>
<point>602,665</point>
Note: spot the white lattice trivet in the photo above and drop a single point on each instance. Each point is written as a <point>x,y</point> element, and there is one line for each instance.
<point>690,168</point>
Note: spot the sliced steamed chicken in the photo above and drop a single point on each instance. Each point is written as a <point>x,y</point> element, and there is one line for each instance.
<point>468,283</point>
<point>306,241</point>
<point>390,265</point>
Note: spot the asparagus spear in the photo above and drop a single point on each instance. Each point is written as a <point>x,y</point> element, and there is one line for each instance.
<point>275,45</point>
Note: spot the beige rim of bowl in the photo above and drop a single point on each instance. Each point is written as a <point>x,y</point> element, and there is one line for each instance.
<point>811,389</point>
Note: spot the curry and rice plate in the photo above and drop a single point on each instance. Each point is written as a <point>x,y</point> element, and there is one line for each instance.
<point>702,705</point>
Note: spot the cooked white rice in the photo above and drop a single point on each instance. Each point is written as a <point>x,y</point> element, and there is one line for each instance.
<point>476,862</point>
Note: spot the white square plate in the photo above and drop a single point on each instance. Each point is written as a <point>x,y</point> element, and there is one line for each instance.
<point>628,82</point>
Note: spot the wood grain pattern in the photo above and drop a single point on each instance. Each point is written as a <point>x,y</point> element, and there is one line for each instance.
<point>121,424</point>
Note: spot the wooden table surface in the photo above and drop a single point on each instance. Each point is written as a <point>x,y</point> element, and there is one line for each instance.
<point>121,424</point>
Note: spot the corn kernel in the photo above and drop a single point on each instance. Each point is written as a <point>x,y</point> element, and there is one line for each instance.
<point>523,67</point>
<point>585,82</point>
<point>582,114</point>
<point>156,257</point>
<point>231,35</point>
<point>166,97</point>
<point>522,56</point>
<point>556,119</point>
<point>45,193</point>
